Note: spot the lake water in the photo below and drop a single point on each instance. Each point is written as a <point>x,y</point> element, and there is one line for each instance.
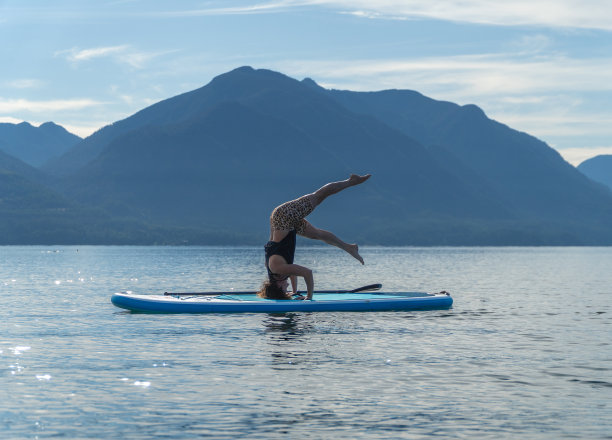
<point>525,352</point>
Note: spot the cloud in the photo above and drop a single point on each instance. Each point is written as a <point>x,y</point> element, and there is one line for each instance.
<point>123,54</point>
<point>558,123</point>
<point>585,14</point>
<point>139,60</point>
<point>25,83</point>
<point>258,8</point>
<point>10,120</point>
<point>523,99</point>
<point>576,156</point>
<point>84,130</point>
<point>580,14</point>
<point>17,105</point>
<point>532,44</point>
<point>79,130</point>
<point>589,14</point>
<point>464,75</point>
<point>97,52</point>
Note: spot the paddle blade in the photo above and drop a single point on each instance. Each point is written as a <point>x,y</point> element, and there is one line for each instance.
<point>367,288</point>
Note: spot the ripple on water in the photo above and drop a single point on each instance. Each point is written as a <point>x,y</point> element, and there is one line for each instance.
<point>523,353</point>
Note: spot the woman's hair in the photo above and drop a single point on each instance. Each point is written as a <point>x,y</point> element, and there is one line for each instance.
<point>270,290</point>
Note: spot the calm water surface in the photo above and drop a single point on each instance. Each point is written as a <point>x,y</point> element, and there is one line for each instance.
<point>524,353</point>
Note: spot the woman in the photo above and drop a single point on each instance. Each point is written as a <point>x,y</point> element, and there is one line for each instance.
<point>286,221</point>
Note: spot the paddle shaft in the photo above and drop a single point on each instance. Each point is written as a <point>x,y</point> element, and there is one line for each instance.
<point>368,288</point>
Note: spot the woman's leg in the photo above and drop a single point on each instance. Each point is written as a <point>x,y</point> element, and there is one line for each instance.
<point>329,238</point>
<point>335,187</point>
<point>289,215</point>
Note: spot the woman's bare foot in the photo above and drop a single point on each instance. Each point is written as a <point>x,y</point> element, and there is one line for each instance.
<point>353,250</point>
<point>356,179</point>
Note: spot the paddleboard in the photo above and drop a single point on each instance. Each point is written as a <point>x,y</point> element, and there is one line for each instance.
<point>251,303</point>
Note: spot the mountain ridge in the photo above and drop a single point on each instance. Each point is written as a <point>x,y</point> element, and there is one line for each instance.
<point>598,169</point>
<point>529,157</point>
<point>219,158</point>
<point>35,145</point>
<point>312,135</point>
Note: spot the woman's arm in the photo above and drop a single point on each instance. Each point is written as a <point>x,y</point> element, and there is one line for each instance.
<point>305,273</point>
<point>294,283</point>
<point>279,266</point>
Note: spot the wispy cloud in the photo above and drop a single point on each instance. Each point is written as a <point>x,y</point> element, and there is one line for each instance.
<point>25,83</point>
<point>548,122</point>
<point>140,60</point>
<point>18,105</point>
<point>124,54</point>
<point>257,8</point>
<point>576,156</point>
<point>590,14</point>
<point>84,130</point>
<point>465,75</point>
<point>89,54</point>
<point>10,120</point>
<point>581,14</point>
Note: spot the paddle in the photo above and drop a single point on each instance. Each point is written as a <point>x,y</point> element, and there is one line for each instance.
<point>368,288</point>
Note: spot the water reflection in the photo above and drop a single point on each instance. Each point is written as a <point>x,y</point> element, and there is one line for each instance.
<point>287,326</point>
<point>287,335</point>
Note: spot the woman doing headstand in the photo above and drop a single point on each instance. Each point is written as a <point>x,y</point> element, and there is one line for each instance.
<point>286,221</point>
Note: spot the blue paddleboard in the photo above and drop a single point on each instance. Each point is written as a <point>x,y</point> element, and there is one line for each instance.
<point>251,303</point>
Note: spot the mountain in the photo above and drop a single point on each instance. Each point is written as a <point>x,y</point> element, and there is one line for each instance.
<point>599,169</point>
<point>12,165</point>
<point>35,145</point>
<point>33,213</point>
<point>168,112</point>
<point>523,173</point>
<point>222,156</point>
<point>223,166</point>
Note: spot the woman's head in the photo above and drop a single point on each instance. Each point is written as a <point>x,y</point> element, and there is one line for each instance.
<point>282,283</point>
<point>274,289</point>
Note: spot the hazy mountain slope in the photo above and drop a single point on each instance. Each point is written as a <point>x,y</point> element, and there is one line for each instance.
<point>231,166</point>
<point>169,111</point>
<point>599,169</point>
<point>11,164</point>
<point>221,157</point>
<point>33,213</point>
<point>525,173</point>
<point>35,145</point>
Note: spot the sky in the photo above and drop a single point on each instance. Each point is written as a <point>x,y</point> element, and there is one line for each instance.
<point>539,66</point>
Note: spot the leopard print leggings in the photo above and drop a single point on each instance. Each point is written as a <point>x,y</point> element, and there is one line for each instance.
<point>290,215</point>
